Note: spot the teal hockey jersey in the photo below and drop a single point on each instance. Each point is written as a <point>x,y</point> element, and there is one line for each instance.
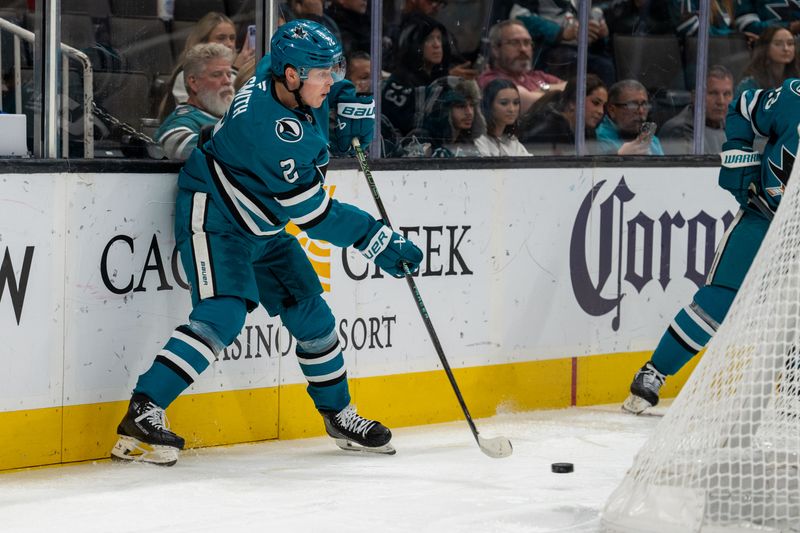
<point>774,114</point>
<point>265,165</point>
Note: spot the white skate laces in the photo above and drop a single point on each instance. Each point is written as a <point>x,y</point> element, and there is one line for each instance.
<point>350,420</point>
<point>154,415</point>
<point>652,378</point>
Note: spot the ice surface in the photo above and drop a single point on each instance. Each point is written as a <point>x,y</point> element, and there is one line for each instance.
<point>439,481</point>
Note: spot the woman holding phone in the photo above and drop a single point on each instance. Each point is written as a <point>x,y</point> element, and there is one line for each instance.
<point>212,28</point>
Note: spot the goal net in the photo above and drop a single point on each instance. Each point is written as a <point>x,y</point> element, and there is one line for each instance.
<point>726,457</point>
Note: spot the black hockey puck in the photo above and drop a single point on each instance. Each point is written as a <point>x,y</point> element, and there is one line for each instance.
<point>562,468</point>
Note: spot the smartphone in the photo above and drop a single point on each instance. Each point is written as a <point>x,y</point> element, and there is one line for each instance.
<point>647,131</point>
<point>251,36</point>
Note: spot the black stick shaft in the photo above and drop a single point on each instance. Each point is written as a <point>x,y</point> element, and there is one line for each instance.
<point>362,161</point>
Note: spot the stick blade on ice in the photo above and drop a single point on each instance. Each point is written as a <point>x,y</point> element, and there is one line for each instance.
<point>496,448</point>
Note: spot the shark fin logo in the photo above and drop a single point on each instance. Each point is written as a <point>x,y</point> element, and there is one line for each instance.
<point>318,252</point>
<point>289,130</point>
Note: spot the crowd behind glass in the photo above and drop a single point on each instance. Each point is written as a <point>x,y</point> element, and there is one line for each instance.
<point>458,77</point>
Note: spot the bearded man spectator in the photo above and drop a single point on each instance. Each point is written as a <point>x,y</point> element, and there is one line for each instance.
<point>208,76</point>
<point>512,59</point>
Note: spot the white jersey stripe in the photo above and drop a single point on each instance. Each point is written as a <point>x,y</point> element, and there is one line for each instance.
<point>181,363</point>
<point>327,377</point>
<point>300,198</point>
<point>235,196</point>
<point>202,257</point>
<point>320,360</point>
<point>686,338</point>
<point>201,348</point>
<point>699,321</point>
<point>313,214</point>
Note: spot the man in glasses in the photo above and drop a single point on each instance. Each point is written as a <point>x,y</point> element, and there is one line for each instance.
<point>512,59</point>
<point>625,130</point>
<point>263,167</point>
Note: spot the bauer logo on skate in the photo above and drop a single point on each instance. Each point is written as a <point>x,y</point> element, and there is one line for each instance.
<point>615,246</point>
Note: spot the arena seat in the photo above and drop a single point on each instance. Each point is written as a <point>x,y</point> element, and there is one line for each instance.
<point>197,9</point>
<point>134,8</point>
<point>123,94</point>
<point>76,30</point>
<point>144,43</point>
<point>654,60</point>
<point>729,51</point>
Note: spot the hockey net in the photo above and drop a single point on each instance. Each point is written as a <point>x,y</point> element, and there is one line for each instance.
<point>726,456</point>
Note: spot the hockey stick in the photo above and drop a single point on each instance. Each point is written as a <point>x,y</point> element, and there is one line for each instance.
<point>496,447</point>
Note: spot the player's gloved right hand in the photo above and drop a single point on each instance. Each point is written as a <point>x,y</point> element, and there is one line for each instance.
<point>389,250</point>
<point>741,166</point>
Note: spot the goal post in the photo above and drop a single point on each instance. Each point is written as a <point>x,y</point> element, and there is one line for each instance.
<point>726,456</point>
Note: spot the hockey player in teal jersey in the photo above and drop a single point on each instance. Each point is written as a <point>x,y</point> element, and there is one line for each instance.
<point>264,166</point>
<point>757,181</point>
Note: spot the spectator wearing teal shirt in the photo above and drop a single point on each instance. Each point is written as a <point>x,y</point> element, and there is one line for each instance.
<point>620,131</point>
<point>208,75</point>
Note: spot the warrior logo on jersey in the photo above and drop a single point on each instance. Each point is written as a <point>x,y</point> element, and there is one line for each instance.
<point>289,129</point>
<point>795,86</point>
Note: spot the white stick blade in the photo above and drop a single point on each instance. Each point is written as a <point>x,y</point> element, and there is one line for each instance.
<point>496,448</point>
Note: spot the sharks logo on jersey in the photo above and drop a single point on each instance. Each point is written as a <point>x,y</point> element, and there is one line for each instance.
<point>781,172</point>
<point>289,129</point>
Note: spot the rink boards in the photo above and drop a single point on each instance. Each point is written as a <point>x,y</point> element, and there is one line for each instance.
<point>547,287</point>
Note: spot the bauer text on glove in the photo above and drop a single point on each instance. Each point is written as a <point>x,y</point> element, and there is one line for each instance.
<point>389,250</point>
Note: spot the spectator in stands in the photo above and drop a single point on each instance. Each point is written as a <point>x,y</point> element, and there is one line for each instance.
<point>358,71</point>
<point>500,107</point>
<point>554,28</point>
<point>677,133</point>
<point>551,122</point>
<point>774,60</point>
<point>423,56</point>
<point>453,120</point>
<point>354,23</point>
<point>624,130</point>
<point>208,74</point>
<point>511,58</point>
<point>685,16</point>
<point>212,28</point>
<point>412,9</point>
<point>755,16</point>
<point>311,10</point>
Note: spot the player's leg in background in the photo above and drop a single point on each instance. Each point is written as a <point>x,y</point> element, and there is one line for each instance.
<point>695,324</point>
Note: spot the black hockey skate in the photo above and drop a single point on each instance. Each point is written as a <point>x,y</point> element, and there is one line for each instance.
<point>353,432</point>
<point>644,390</point>
<point>144,435</point>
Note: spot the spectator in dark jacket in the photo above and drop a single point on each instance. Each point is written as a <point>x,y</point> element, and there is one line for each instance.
<point>423,56</point>
<point>550,124</point>
<point>353,19</point>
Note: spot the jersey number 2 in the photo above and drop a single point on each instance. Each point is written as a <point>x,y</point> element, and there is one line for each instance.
<point>289,173</point>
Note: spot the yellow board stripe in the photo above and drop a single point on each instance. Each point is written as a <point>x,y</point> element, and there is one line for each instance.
<point>83,432</point>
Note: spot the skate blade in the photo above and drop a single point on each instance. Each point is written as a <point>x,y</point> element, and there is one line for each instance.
<point>131,450</point>
<point>635,405</point>
<point>349,446</point>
